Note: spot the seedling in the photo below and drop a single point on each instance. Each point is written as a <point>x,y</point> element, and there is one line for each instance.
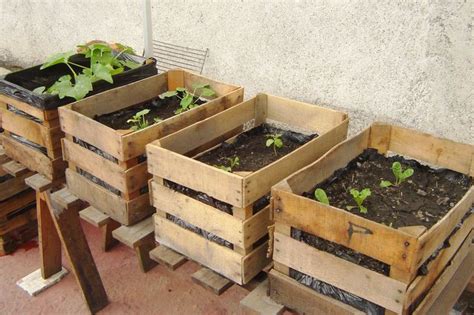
<point>400,175</point>
<point>321,196</point>
<point>138,121</point>
<point>359,197</point>
<point>103,65</point>
<point>275,141</point>
<point>187,99</point>
<point>157,119</point>
<point>233,162</point>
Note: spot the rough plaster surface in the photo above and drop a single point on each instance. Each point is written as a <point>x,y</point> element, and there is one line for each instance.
<point>409,62</point>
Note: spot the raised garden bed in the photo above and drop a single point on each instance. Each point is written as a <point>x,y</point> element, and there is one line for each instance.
<point>214,208</point>
<point>388,257</point>
<point>30,119</point>
<point>107,163</point>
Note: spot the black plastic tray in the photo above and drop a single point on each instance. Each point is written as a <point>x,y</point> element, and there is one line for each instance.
<point>20,84</point>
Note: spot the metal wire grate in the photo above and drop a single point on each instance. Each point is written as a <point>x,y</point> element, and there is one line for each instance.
<point>171,56</point>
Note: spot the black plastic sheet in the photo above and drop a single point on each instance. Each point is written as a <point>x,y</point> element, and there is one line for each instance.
<point>20,84</point>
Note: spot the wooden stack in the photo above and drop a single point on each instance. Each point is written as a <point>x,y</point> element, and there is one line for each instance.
<point>170,160</point>
<point>117,185</point>
<point>404,249</point>
<point>17,205</point>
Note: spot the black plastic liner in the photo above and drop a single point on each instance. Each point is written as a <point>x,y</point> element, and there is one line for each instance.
<point>20,84</point>
<point>29,143</point>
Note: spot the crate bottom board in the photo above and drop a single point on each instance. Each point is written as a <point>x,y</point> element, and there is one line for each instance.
<point>17,202</point>
<point>232,265</point>
<point>123,211</point>
<point>34,160</point>
<point>12,188</point>
<point>18,221</point>
<point>10,242</point>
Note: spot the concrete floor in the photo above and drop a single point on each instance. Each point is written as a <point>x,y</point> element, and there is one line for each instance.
<point>160,291</point>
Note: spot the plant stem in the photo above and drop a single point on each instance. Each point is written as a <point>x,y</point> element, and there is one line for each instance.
<point>77,65</point>
<point>73,72</point>
<point>274,149</point>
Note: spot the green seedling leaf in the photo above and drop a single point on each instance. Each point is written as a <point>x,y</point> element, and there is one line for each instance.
<point>269,142</point>
<point>385,184</point>
<point>400,175</point>
<point>275,141</point>
<point>168,94</point>
<point>207,92</point>
<point>321,196</point>
<point>397,169</point>
<point>129,64</point>
<point>197,86</point>
<point>39,90</point>
<point>359,197</point>
<point>186,101</point>
<point>57,59</point>
<point>138,120</point>
<point>102,72</point>
<point>157,119</point>
<point>278,143</point>
<point>81,88</point>
<point>180,89</point>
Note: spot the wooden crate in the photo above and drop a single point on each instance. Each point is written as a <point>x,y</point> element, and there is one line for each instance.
<point>404,249</point>
<point>169,159</point>
<point>126,171</point>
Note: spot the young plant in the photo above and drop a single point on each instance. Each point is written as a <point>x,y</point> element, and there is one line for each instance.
<point>138,121</point>
<point>233,162</point>
<point>275,141</point>
<point>321,196</point>
<point>103,65</point>
<point>359,197</point>
<point>400,175</point>
<point>187,101</point>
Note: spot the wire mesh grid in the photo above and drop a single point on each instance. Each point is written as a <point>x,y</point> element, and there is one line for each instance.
<point>171,56</point>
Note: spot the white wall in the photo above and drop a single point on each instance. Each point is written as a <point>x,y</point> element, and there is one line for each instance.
<point>411,63</point>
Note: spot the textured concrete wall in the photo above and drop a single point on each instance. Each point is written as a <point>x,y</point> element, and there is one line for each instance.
<point>410,62</point>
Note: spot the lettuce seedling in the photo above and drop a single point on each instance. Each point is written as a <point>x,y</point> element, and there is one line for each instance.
<point>138,121</point>
<point>103,65</point>
<point>359,197</point>
<point>400,175</point>
<point>233,162</point>
<point>275,141</point>
<point>187,101</point>
<point>321,196</point>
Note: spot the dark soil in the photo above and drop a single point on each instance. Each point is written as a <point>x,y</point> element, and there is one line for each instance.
<point>423,199</point>
<point>162,108</point>
<point>251,149</point>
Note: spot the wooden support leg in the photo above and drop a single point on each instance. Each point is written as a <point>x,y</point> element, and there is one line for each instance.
<point>75,244</point>
<point>107,239</point>
<point>49,242</point>
<point>142,251</point>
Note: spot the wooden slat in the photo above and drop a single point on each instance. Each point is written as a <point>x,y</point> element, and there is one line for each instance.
<point>188,172</point>
<point>211,280</point>
<point>304,300</point>
<point>13,186</point>
<point>33,159</point>
<point>133,235</point>
<point>221,88</point>
<point>255,227</point>
<point>19,201</point>
<point>29,129</point>
<point>216,257</point>
<point>18,221</point>
<point>15,169</point>
<point>125,212</point>
<point>167,257</point>
<point>379,137</point>
<point>38,182</point>
<point>127,181</point>
<point>254,262</point>
<point>260,182</point>
<point>376,240</point>
<point>94,216</point>
<point>258,303</point>
<point>345,275</point>
<point>441,152</point>
<point>30,110</point>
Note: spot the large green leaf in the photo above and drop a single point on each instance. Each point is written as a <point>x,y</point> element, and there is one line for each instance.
<point>102,72</point>
<point>82,87</point>
<point>57,59</point>
<point>186,101</point>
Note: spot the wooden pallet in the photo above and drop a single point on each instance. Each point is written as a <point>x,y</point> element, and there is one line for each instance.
<point>168,160</point>
<point>404,249</point>
<point>125,171</point>
<point>38,126</point>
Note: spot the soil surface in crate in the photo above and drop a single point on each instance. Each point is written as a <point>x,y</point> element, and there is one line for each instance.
<point>423,199</point>
<point>159,108</point>
<point>250,147</point>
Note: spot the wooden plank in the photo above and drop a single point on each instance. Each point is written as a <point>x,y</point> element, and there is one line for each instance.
<point>379,137</point>
<point>34,160</point>
<point>254,262</point>
<point>3,156</point>
<point>38,182</point>
<point>94,216</point>
<point>255,227</point>
<point>175,79</point>
<point>142,250</point>
<point>431,240</point>
<point>196,175</point>
<point>289,292</point>
<point>66,199</point>
<point>125,212</point>
<point>214,256</point>
<point>133,235</point>
<point>126,181</point>
<point>18,221</point>
<point>189,79</point>
<point>258,303</point>
<point>436,266</point>
<point>108,241</point>
<point>425,147</point>
<point>376,240</point>
<point>167,257</point>
<point>50,244</point>
<point>13,186</point>
<point>78,252</point>
<point>30,110</point>
<point>15,169</point>
<point>29,129</point>
<point>318,118</point>
<point>211,280</point>
<point>19,201</point>
<point>377,288</point>
<point>260,182</point>
<point>463,261</point>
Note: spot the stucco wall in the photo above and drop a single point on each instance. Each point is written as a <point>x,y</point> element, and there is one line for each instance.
<point>409,62</point>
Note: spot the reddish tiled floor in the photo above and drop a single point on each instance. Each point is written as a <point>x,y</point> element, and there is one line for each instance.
<point>160,291</point>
